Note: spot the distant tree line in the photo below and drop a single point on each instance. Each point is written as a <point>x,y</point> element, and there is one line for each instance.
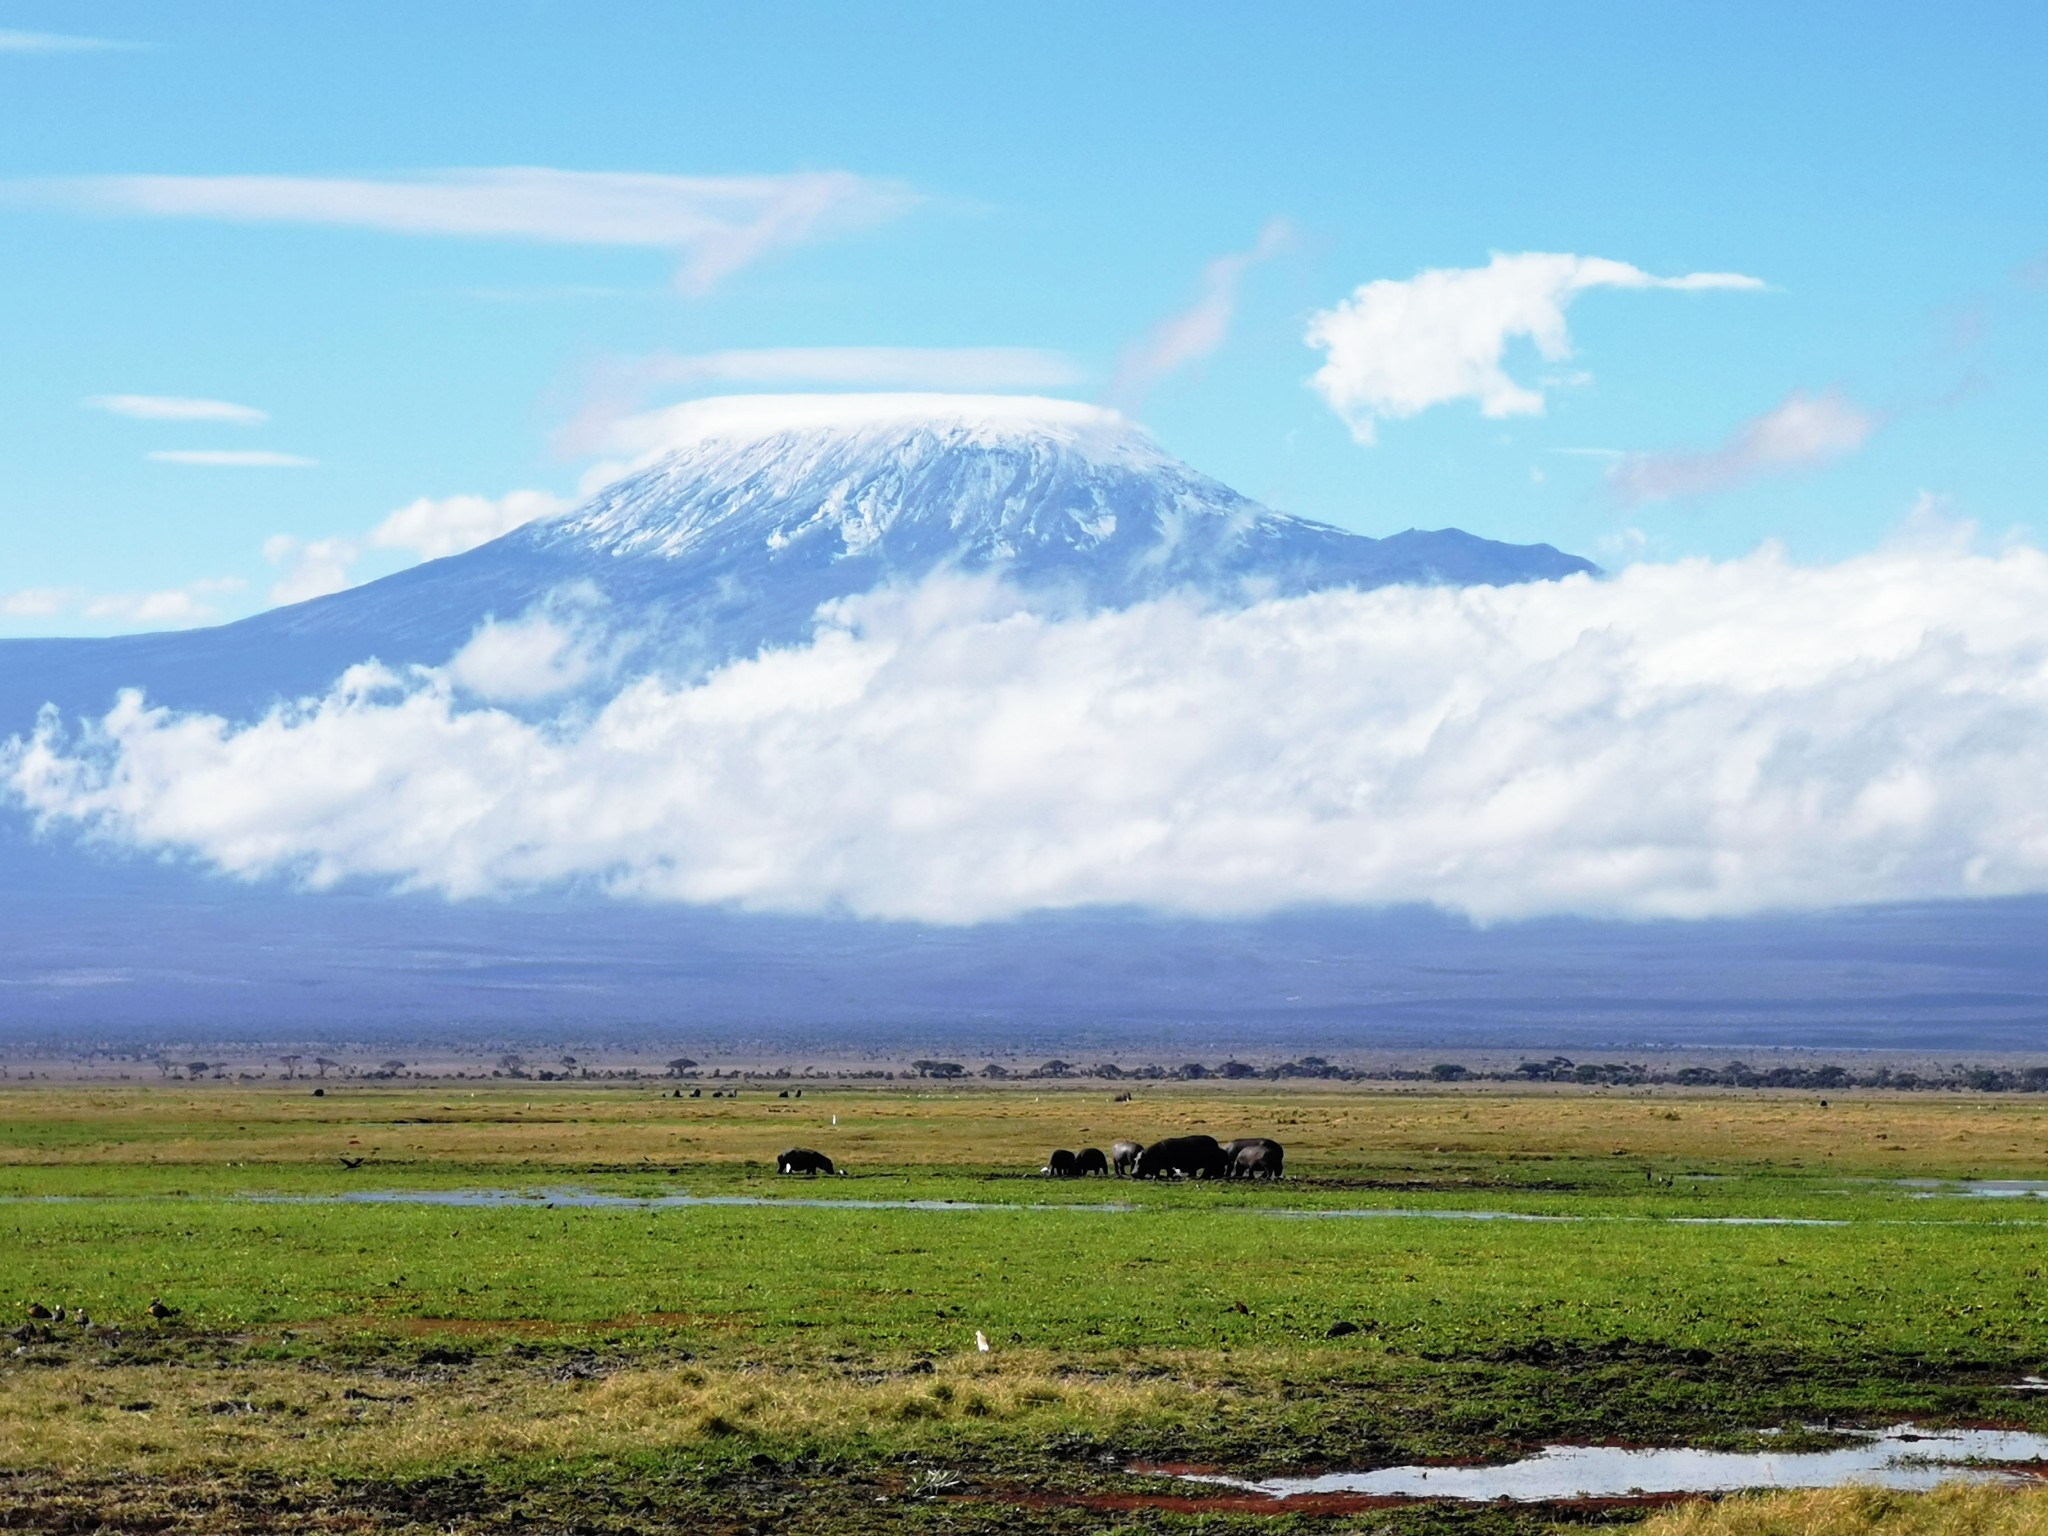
<point>1555,1069</point>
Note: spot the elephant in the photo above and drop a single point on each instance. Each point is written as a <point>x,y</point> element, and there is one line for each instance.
<point>1195,1157</point>
<point>804,1160</point>
<point>1090,1160</point>
<point>1123,1156</point>
<point>1061,1165</point>
<point>1255,1158</point>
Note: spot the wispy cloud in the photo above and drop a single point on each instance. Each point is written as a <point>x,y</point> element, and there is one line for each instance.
<point>232,458</point>
<point>1395,349</point>
<point>1194,333</point>
<point>177,408</point>
<point>621,387</point>
<point>58,42</point>
<point>1801,432</point>
<point>718,224</point>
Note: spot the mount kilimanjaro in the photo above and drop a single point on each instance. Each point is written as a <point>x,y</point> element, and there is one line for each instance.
<point>768,508</point>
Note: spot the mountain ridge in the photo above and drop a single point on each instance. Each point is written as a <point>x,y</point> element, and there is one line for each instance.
<point>755,512</point>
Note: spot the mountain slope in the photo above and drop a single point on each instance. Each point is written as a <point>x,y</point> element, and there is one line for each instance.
<point>770,507</point>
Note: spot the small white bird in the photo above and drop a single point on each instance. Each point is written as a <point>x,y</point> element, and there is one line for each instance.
<point>981,1341</point>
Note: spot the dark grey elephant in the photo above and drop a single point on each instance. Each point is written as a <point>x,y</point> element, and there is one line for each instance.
<point>1123,1156</point>
<point>1194,1157</point>
<point>1061,1165</point>
<point>1090,1160</point>
<point>1255,1157</point>
<point>804,1160</point>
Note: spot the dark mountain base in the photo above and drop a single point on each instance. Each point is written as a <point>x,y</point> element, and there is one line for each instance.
<point>119,954</point>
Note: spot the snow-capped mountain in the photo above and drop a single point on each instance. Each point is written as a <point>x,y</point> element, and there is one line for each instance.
<point>761,509</point>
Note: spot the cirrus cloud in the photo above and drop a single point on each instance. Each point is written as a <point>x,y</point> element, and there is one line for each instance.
<point>1802,431</point>
<point>718,224</point>
<point>1682,740</point>
<point>1396,348</point>
<point>232,458</point>
<point>177,408</point>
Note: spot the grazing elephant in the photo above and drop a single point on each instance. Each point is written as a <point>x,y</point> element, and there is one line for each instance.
<point>1194,1157</point>
<point>1123,1156</point>
<point>804,1160</point>
<point>1061,1165</point>
<point>1256,1158</point>
<point>1090,1160</point>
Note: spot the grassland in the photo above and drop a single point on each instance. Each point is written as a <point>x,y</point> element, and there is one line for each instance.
<point>800,1355</point>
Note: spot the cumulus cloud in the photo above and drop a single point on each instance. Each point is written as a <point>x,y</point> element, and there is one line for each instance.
<point>177,408</point>
<point>1801,432</point>
<point>1685,740</point>
<point>1195,332</point>
<point>1395,348</point>
<point>35,602</point>
<point>718,224</point>
<point>534,657</point>
<point>312,567</point>
<point>433,527</point>
<point>173,608</point>
<point>232,458</point>
<point>426,529</point>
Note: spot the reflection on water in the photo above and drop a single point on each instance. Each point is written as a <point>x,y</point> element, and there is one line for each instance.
<point>550,1199</point>
<point>1899,1457</point>
<point>1980,1189</point>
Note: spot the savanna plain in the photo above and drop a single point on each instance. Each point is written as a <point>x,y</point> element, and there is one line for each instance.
<point>596,1308</point>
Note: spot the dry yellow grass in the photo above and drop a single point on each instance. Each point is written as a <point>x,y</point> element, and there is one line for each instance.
<point>177,1420</point>
<point>1957,1509</point>
<point>904,1127</point>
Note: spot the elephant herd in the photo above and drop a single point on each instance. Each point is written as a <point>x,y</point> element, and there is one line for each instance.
<point>1184,1157</point>
<point>1177,1157</point>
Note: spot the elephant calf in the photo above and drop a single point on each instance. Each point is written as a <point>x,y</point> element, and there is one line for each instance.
<point>804,1160</point>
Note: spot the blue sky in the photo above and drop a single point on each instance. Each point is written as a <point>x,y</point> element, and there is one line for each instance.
<point>1060,179</point>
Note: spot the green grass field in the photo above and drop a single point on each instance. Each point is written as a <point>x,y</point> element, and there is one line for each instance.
<point>1704,1268</point>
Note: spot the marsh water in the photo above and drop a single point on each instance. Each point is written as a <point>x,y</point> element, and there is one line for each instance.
<point>1901,1457</point>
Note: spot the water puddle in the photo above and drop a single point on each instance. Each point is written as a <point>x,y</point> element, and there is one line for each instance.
<point>1978,1189</point>
<point>574,1199</point>
<point>1407,1214</point>
<point>1900,1457</point>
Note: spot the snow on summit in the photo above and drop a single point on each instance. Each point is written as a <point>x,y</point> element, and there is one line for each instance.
<point>745,515</point>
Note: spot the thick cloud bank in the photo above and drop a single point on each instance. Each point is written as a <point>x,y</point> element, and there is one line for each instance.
<point>1690,739</point>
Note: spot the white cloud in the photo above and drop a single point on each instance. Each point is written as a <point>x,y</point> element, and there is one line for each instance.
<point>1801,432</point>
<point>56,42</point>
<point>621,387</point>
<point>314,567</point>
<point>1198,330</point>
<point>1683,740</point>
<point>432,528</point>
<point>35,602</point>
<point>175,608</point>
<point>536,657</point>
<point>177,408</point>
<point>233,458</point>
<point>426,529</point>
<point>718,224</point>
<point>1394,349</point>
